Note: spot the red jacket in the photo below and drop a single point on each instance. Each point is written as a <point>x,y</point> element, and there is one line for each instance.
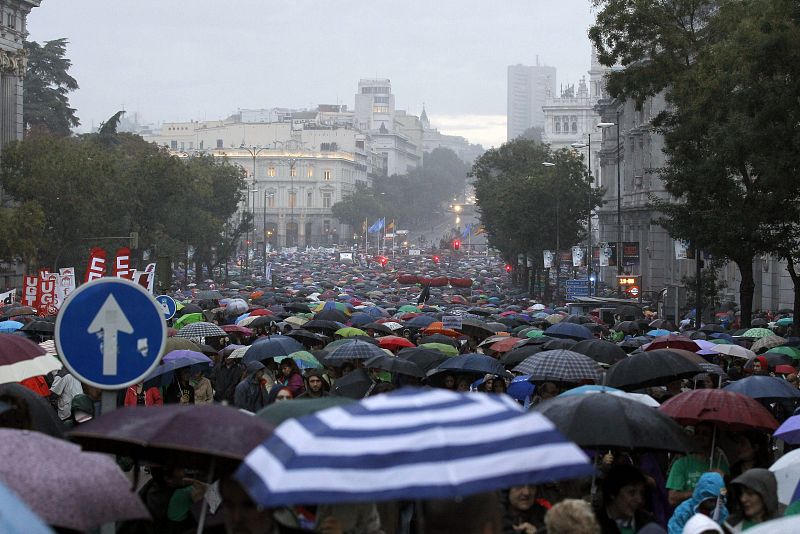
<point>152,397</point>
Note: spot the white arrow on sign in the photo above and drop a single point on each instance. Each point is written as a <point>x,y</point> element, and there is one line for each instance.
<point>110,320</point>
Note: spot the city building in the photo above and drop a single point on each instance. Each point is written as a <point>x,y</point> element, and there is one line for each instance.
<point>433,139</point>
<point>13,61</point>
<point>528,88</point>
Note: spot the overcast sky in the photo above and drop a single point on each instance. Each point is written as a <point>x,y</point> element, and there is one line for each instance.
<point>173,60</point>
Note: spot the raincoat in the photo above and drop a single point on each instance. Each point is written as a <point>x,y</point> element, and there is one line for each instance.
<point>710,486</point>
<point>763,482</point>
<point>249,394</point>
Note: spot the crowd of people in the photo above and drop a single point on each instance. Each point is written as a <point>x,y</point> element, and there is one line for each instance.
<point>289,341</point>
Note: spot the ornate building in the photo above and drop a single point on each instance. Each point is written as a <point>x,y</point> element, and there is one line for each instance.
<point>13,61</point>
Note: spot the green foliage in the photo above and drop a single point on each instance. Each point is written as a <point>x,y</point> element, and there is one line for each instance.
<point>519,198</point>
<point>78,190</point>
<point>534,133</point>
<point>46,87</point>
<point>711,287</point>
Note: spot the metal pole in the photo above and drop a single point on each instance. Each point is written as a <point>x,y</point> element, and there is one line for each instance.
<point>699,290</point>
<point>264,224</point>
<point>589,255</point>
<point>558,244</point>
<point>619,205</point>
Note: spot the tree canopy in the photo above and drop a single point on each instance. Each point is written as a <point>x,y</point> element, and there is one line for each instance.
<point>46,88</point>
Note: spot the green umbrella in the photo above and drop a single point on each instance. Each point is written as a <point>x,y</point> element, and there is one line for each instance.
<point>304,356</point>
<point>188,319</point>
<point>720,341</point>
<point>447,350</point>
<point>792,352</point>
<point>279,412</point>
<point>534,333</point>
<point>758,333</point>
<point>408,308</point>
<point>349,331</point>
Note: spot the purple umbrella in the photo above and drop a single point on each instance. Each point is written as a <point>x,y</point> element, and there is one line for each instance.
<point>178,359</point>
<point>789,431</point>
<point>64,486</point>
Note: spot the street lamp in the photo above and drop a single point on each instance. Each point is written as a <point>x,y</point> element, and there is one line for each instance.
<point>589,255</point>
<point>619,194</point>
<point>558,232</point>
<point>253,151</point>
<point>252,204</point>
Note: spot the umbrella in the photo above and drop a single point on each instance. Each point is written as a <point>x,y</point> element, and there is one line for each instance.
<point>569,331</point>
<point>179,359</point>
<point>792,352</point>
<point>409,444</point>
<point>786,321</point>
<point>399,366</point>
<point>269,347</point>
<point>628,327</point>
<point>189,436</point>
<point>179,343</point>
<point>16,517</point>
<point>447,350</point>
<point>305,336</point>
<point>764,387</point>
<point>236,329</point>
<point>476,329</point>
<point>439,338</point>
<point>758,333</point>
<point>379,327</point>
<point>787,474</point>
<point>21,358</point>
<point>189,318</point>
<point>354,385</point>
<point>331,315</point>
<point>425,359</point>
<point>6,327</point>
<point>208,295</point>
<point>601,351</point>
<point>303,358</point>
<point>236,307</point>
<point>651,368</point>
<point>767,342</point>
<point>663,324</point>
<point>421,321</point>
<point>789,431</point>
<point>559,366</point>
<point>472,363</point>
<point>394,342</point>
<point>647,400</point>
<point>200,330</point>
<point>516,356</point>
<point>730,410</point>
<point>17,311</point>
<point>354,350</point>
<point>605,421</point>
<point>437,328</point>
<point>505,344</point>
<point>39,327</point>
<point>239,352</point>
<point>658,332</point>
<point>41,413</point>
<point>782,525</point>
<point>278,412</point>
<point>736,351</point>
<point>322,325</point>
<point>89,489</point>
<point>672,341</point>
<point>350,332</point>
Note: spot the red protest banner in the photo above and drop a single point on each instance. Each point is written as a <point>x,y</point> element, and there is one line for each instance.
<point>122,263</point>
<point>46,296</point>
<point>97,264</point>
<point>30,291</point>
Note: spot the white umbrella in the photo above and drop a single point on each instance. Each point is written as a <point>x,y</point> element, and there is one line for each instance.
<point>736,351</point>
<point>787,473</point>
<point>783,525</point>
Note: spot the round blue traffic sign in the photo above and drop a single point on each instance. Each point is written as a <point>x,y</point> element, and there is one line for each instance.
<point>168,306</point>
<point>110,333</point>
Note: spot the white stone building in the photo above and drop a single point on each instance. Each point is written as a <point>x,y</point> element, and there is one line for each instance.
<point>433,139</point>
<point>13,62</point>
<point>528,87</point>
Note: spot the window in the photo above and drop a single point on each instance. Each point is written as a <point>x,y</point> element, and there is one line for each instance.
<point>381,100</point>
<point>219,143</point>
<point>380,109</point>
<point>183,146</point>
<point>271,172</point>
<point>326,200</point>
<point>173,145</point>
<point>557,124</point>
<point>326,226</point>
<point>574,124</point>
<point>326,175</point>
<point>271,199</point>
<point>310,172</point>
<point>309,199</point>
<point>292,199</point>
<point>292,171</point>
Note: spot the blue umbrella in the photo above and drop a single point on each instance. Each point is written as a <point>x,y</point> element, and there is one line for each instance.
<point>521,388</point>
<point>269,347</point>
<point>764,388</point>
<point>722,335</point>
<point>242,317</point>
<point>178,359</point>
<point>421,321</point>
<point>7,327</point>
<point>658,332</point>
<point>16,517</point>
<point>569,331</point>
<point>375,312</point>
<point>409,444</point>
<point>471,363</point>
<point>358,319</point>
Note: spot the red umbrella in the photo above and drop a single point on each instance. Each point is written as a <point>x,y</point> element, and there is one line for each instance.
<point>230,328</point>
<point>729,410</point>
<point>672,341</point>
<point>21,358</point>
<point>394,342</point>
<point>260,311</point>
<point>504,345</point>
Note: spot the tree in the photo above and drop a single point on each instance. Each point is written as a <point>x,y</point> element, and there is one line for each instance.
<point>46,87</point>
<point>361,205</point>
<point>729,74</point>
<point>534,133</point>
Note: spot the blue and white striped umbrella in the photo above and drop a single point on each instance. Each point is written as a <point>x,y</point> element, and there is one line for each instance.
<point>410,444</point>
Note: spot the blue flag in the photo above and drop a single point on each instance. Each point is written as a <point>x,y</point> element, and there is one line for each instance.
<point>467,231</point>
<point>377,226</point>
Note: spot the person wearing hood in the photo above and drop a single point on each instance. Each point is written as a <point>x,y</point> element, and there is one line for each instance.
<point>226,376</point>
<point>755,493</point>
<point>701,524</point>
<point>708,498</point>
<point>249,393</point>
<point>316,385</point>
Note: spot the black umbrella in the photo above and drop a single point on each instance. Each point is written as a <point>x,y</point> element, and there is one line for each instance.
<point>425,359</point>
<point>299,307</point>
<point>39,327</point>
<point>439,338</point>
<point>663,324</point>
<point>322,326</point>
<point>331,315</point>
<point>477,329</point>
<point>556,344</point>
<point>628,312</point>
<point>355,384</point>
<point>605,421</point>
<point>378,327</point>
<point>395,365</point>
<point>187,309</point>
<point>516,356</point>
<point>307,337</point>
<point>712,328</point>
<point>600,351</point>
<point>650,368</point>
<point>628,327</point>
<point>631,344</point>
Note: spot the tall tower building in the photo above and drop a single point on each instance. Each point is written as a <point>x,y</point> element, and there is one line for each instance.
<point>374,104</point>
<point>528,88</point>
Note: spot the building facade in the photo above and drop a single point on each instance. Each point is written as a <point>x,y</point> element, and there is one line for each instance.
<point>13,62</point>
<point>528,88</point>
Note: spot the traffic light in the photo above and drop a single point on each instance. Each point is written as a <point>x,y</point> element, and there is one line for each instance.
<point>456,244</point>
<point>436,259</point>
<point>383,260</point>
<point>508,268</point>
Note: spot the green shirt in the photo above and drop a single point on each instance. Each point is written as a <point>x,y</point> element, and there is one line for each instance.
<point>686,471</point>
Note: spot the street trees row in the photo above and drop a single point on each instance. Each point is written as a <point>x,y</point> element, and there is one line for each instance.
<point>525,206</point>
<point>729,71</point>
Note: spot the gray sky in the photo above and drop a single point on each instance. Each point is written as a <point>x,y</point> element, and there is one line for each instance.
<point>202,59</point>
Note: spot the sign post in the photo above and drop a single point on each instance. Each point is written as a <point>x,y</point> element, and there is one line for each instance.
<point>168,306</point>
<point>110,334</point>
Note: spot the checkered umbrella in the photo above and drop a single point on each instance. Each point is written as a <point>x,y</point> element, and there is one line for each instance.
<point>559,366</point>
<point>355,350</point>
<point>766,342</point>
<point>200,329</point>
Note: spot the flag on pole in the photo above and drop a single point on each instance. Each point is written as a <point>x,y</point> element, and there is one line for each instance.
<point>480,230</point>
<point>377,226</point>
<point>467,231</point>
<point>390,227</point>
